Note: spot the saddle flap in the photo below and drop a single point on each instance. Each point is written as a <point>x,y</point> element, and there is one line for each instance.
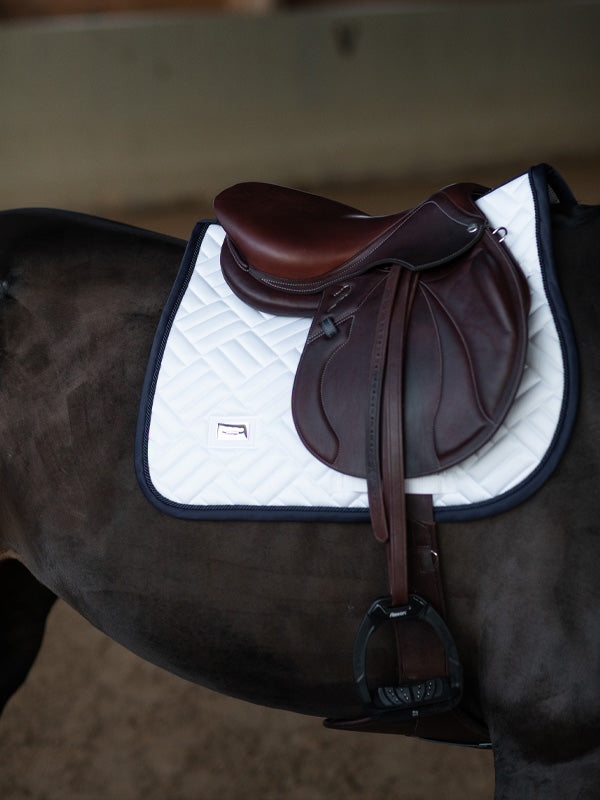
<point>466,340</point>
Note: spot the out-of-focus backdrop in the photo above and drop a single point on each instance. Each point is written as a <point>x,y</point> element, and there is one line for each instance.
<point>142,110</point>
<point>147,107</point>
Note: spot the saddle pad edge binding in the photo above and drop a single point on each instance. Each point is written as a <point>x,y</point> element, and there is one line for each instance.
<point>184,274</point>
<point>542,179</point>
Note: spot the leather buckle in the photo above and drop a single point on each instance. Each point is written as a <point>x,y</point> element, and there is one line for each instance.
<point>414,698</point>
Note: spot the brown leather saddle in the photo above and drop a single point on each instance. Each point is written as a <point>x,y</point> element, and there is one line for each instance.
<point>413,358</point>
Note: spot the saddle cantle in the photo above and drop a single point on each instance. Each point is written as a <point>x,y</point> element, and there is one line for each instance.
<point>413,358</point>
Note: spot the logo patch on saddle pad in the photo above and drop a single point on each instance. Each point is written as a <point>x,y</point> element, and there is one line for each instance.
<point>231,433</point>
<point>216,438</point>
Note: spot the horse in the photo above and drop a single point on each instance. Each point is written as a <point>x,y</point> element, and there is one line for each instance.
<point>267,611</point>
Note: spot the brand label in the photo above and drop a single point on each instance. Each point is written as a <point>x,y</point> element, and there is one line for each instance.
<point>231,432</point>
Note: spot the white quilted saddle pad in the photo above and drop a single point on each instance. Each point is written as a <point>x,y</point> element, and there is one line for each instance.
<point>216,435</point>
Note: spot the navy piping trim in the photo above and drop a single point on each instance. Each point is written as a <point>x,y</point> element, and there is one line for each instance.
<point>186,270</point>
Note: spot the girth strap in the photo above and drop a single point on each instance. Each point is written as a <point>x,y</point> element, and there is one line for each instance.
<point>454,726</point>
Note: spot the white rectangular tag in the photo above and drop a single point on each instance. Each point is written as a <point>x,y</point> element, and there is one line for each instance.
<point>232,432</point>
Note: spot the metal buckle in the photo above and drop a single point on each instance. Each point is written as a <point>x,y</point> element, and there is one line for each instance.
<point>501,233</point>
<point>415,698</point>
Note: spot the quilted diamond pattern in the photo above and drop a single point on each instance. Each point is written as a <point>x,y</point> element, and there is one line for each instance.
<point>225,361</point>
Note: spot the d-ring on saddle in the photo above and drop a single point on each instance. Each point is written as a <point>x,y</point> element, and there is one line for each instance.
<point>413,358</point>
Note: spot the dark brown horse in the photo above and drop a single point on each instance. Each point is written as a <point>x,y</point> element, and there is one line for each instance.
<point>268,611</point>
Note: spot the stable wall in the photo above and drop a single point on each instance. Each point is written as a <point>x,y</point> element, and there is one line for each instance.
<point>116,109</point>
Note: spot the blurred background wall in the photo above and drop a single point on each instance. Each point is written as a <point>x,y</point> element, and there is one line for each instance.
<point>131,102</point>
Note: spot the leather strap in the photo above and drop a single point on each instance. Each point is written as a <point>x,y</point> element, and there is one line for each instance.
<point>385,453</point>
<point>391,433</point>
<point>453,727</point>
<point>423,552</point>
<point>405,525</point>
<point>420,654</point>
<point>423,655</point>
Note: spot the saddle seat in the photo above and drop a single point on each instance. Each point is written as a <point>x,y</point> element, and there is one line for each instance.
<point>298,243</point>
<point>293,234</point>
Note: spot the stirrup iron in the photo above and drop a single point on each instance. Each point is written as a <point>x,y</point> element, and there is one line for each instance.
<point>414,698</point>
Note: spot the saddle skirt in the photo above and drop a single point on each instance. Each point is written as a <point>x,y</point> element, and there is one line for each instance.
<point>216,438</point>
